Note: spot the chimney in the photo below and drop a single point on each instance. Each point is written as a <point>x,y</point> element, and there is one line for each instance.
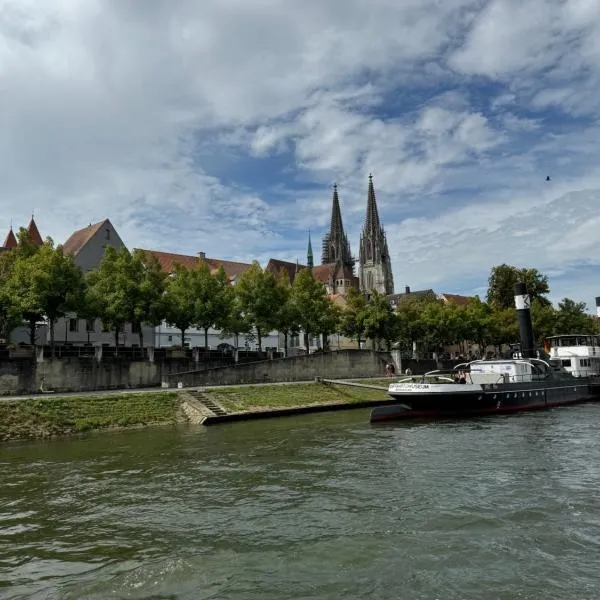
<point>202,255</point>
<point>407,289</point>
<point>598,306</point>
<point>522,304</point>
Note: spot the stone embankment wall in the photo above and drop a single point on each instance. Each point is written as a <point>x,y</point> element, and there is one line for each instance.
<point>343,364</point>
<point>26,376</point>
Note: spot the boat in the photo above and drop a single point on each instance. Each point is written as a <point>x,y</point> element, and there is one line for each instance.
<point>522,382</point>
<point>578,354</point>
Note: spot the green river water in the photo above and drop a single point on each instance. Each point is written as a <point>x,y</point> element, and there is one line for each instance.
<point>323,506</point>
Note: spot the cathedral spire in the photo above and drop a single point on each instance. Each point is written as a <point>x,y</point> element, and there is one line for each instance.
<point>335,244</point>
<point>375,269</point>
<point>309,255</point>
<point>372,223</point>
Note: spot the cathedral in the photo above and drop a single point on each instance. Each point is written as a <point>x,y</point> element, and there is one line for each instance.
<point>337,269</point>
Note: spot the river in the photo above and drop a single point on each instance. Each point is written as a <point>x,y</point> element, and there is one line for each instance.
<point>323,507</point>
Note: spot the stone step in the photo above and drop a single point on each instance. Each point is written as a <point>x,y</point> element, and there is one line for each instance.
<point>210,403</point>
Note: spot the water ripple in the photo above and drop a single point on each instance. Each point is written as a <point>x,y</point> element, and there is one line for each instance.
<point>324,507</point>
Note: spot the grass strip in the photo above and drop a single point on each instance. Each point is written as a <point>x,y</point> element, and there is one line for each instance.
<point>265,397</point>
<point>54,416</point>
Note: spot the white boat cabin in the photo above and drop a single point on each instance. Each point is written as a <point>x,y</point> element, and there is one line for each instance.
<point>501,371</point>
<point>578,354</point>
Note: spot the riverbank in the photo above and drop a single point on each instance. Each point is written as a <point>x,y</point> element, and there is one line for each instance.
<point>57,416</point>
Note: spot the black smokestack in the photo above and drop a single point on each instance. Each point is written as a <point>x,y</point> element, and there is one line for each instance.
<point>598,306</point>
<point>522,303</point>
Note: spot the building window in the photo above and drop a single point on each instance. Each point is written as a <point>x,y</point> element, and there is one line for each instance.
<point>584,362</point>
<point>170,338</point>
<point>73,325</point>
<point>89,325</point>
<point>107,230</point>
<point>135,328</point>
<point>566,362</point>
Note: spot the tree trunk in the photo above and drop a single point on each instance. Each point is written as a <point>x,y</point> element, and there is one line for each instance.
<point>206,338</point>
<point>306,342</point>
<point>182,337</point>
<point>51,322</point>
<point>285,344</point>
<point>259,337</point>
<point>141,334</point>
<point>236,340</point>
<point>116,340</point>
<point>32,332</point>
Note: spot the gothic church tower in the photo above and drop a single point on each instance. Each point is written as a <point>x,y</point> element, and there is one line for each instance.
<point>336,248</point>
<point>375,268</point>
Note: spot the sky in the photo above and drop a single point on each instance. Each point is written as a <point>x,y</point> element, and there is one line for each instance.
<point>220,126</point>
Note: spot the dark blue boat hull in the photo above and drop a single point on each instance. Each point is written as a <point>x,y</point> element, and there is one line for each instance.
<point>500,399</point>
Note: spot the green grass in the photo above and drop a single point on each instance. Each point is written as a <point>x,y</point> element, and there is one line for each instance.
<point>53,416</point>
<point>264,397</point>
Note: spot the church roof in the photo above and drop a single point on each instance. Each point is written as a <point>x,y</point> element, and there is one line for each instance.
<point>275,266</point>
<point>78,239</point>
<point>34,233</point>
<point>11,241</point>
<point>323,272</point>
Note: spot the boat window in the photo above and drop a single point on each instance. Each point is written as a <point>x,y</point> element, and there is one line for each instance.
<point>582,341</point>
<point>584,362</point>
<point>566,362</point>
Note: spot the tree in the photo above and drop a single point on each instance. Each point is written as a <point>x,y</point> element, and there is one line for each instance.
<point>259,299</point>
<point>379,320</point>
<point>9,312</point>
<point>18,298</point>
<point>571,317</point>
<point>210,304</point>
<point>149,305</point>
<point>309,300</point>
<point>113,290</point>
<point>543,320</point>
<point>352,318</point>
<point>286,316</point>
<point>54,283</point>
<point>179,299</point>
<point>235,321</point>
<point>501,284</point>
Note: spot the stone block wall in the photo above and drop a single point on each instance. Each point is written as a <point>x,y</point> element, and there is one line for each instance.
<point>343,364</point>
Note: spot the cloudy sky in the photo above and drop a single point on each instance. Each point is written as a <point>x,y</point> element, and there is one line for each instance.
<point>220,126</point>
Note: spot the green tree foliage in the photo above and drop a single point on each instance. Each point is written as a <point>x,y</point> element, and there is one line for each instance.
<point>311,304</point>
<point>287,319</point>
<point>571,317</point>
<point>235,322</point>
<point>352,319</point>
<point>55,283</point>
<point>259,297</point>
<point>501,284</point>
<point>113,289</point>
<point>211,305</point>
<point>379,321</point>
<point>179,299</point>
<point>21,288</point>
<point>148,308</point>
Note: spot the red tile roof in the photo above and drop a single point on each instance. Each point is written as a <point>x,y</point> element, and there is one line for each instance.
<point>81,237</point>
<point>11,241</point>
<point>275,266</point>
<point>457,299</point>
<point>168,260</point>
<point>34,233</point>
<point>323,272</point>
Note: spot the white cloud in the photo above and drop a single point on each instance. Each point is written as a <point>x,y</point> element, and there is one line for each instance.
<point>173,118</point>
